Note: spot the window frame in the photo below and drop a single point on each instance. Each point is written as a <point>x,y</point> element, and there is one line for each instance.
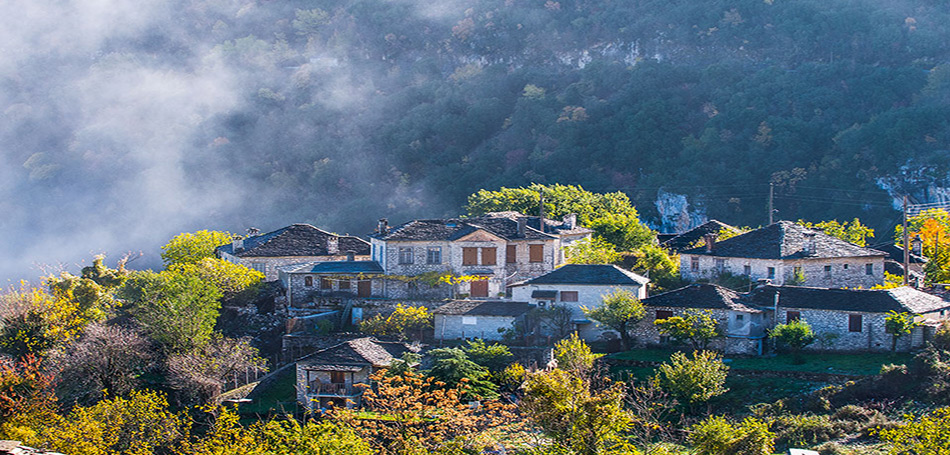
<point>433,255</point>
<point>536,253</point>
<point>572,294</point>
<point>662,314</point>
<point>869,269</point>
<point>489,254</point>
<point>406,255</point>
<point>855,321</point>
<point>469,255</point>
<point>694,263</point>
<point>308,281</point>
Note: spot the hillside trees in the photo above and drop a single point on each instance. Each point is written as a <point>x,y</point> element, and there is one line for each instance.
<point>619,311</point>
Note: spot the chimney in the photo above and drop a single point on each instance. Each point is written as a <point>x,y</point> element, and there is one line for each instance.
<point>570,220</point>
<point>251,232</point>
<point>333,244</point>
<point>383,226</point>
<point>350,256</point>
<point>710,242</point>
<point>237,243</point>
<point>522,223</point>
<point>808,249</point>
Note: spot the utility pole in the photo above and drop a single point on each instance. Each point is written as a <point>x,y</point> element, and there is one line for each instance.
<point>771,202</point>
<point>906,245</point>
<point>541,210</point>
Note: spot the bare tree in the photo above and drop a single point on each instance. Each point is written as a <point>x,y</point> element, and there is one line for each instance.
<point>107,360</point>
<point>203,373</point>
<point>558,318</point>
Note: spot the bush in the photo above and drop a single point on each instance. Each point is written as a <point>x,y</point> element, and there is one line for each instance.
<point>716,436</point>
<point>808,430</point>
<point>693,380</point>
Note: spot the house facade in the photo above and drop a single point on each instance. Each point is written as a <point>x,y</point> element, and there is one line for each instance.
<point>786,253</point>
<point>349,279</point>
<point>742,326</point>
<point>851,319</point>
<point>332,377</point>
<point>576,286</point>
<point>295,244</point>
<point>485,319</point>
<point>494,250</point>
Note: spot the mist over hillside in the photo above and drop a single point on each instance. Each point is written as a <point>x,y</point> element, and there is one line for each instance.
<point>125,122</point>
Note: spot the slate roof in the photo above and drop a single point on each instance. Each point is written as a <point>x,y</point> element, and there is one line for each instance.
<point>483,308</point>
<point>335,267</point>
<point>902,299</point>
<point>354,355</point>
<point>297,240</point>
<point>688,238</point>
<point>701,296</point>
<point>502,224</point>
<point>897,253</point>
<point>588,274</point>
<point>783,240</point>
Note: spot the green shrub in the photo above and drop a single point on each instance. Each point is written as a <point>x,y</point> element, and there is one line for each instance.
<point>716,436</point>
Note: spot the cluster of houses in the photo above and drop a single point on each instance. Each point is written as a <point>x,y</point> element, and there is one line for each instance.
<point>513,267</point>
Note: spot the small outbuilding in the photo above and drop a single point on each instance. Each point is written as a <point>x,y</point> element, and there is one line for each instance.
<point>485,319</point>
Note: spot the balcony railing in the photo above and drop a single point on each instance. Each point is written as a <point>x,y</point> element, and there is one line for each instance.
<point>333,389</point>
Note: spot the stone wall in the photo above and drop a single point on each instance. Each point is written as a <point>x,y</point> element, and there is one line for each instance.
<point>270,264</point>
<point>739,339</point>
<point>872,336</point>
<point>450,327</point>
<point>845,272</point>
<point>589,296</point>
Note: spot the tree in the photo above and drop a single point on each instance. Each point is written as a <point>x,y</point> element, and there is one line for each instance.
<point>660,266</point>
<point>716,436</point>
<point>177,310</point>
<point>696,327</point>
<point>557,318</point>
<point>853,232</point>
<point>27,401</point>
<point>495,357</point>
<point>579,420</point>
<point>454,369</point>
<point>624,230</point>
<point>93,292</point>
<point>932,226</point>
<point>795,335</point>
<point>574,355</point>
<point>238,284</point>
<point>414,414</point>
<point>619,310</point>
<point>404,321</point>
<point>106,361</point>
<point>693,380</point>
<point>203,372</point>
<point>187,248</point>
<point>898,325</point>
<point>34,321</point>
<point>926,435</point>
<point>591,251</point>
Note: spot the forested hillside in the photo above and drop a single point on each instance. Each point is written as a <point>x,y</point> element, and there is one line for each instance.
<point>126,122</point>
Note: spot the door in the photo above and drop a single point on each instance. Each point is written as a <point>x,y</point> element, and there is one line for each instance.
<point>364,288</point>
<point>480,288</point>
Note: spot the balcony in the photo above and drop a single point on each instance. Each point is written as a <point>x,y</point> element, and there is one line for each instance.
<point>340,390</point>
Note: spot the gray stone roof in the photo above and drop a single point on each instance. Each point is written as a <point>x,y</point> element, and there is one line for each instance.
<point>783,240</point>
<point>16,448</point>
<point>588,274</point>
<point>484,308</point>
<point>297,240</point>
<point>902,299</point>
<point>357,353</point>
<point>897,253</point>
<point>335,267</point>
<point>701,296</point>
<point>502,224</point>
<point>688,238</point>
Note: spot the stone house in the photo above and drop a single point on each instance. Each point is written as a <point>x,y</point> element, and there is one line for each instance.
<point>782,251</point>
<point>576,286</point>
<point>742,325</point>
<point>347,279</point>
<point>294,244</point>
<point>851,319</point>
<point>330,377</point>
<point>697,235</point>
<point>500,247</point>
<point>485,319</point>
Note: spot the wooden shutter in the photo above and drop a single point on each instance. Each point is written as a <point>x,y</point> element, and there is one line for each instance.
<point>663,314</point>
<point>536,253</point>
<point>344,284</point>
<point>308,281</point>
<point>511,254</point>
<point>792,316</point>
<point>489,256</point>
<point>469,256</point>
<point>364,288</point>
<point>854,323</point>
<point>325,284</point>
<point>568,296</point>
<point>480,288</point>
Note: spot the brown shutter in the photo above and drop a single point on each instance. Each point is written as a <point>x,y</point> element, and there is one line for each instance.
<point>308,281</point>
<point>663,314</point>
<point>325,284</point>
<point>568,296</point>
<point>854,323</point>
<point>511,254</point>
<point>364,288</point>
<point>344,284</point>
<point>469,256</point>
<point>536,253</point>
<point>489,256</point>
<point>792,316</point>
<point>480,288</point>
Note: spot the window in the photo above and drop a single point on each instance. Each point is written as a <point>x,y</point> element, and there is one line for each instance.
<point>344,284</point>
<point>469,320</point>
<point>797,271</point>
<point>568,296</point>
<point>434,255</point>
<point>792,316</point>
<point>869,269</point>
<point>308,281</point>
<point>337,377</point>
<point>259,266</point>
<point>325,284</point>
<point>511,254</point>
<point>747,270</point>
<point>720,265</point>
<point>846,266</point>
<point>739,317</point>
<point>854,323</point>
<point>771,271</point>
<point>405,255</point>
<point>827,270</point>
<point>536,253</point>
<point>694,263</point>
<point>469,256</point>
<point>663,314</point>
<point>489,256</point>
